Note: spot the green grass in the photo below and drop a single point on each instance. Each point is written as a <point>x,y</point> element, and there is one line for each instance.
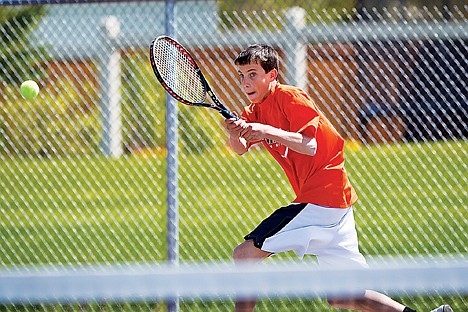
<point>413,196</point>
<point>413,200</point>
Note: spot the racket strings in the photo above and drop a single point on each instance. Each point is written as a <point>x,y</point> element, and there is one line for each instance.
<point>178,72</point>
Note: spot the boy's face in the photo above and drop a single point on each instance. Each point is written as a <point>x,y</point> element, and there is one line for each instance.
<point>256,83</point>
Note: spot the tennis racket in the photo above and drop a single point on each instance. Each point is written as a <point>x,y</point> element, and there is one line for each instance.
<point>180,75</point>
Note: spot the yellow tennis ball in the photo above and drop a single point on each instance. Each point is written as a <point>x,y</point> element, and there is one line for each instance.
<point>29,89</point>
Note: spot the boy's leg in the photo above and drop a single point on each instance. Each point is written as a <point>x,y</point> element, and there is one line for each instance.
<point>248,252</point>
<point>371,301</point>
<point>343,250</point>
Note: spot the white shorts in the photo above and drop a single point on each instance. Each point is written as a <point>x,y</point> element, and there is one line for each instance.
<point>328,233</point>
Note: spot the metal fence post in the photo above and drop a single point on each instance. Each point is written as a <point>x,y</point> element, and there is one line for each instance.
<point>295,48</point>
<point>172,167</point>
<point>110,75</point>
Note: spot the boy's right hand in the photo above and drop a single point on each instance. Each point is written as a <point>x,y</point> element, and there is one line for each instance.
<point>235,126</point>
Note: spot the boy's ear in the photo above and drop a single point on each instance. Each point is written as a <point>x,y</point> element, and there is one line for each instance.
<point>273,74</point>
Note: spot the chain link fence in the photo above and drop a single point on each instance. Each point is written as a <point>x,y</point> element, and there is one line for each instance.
<point>83,165</point>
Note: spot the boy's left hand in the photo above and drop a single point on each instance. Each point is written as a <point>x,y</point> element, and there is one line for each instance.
<point>253,132</point>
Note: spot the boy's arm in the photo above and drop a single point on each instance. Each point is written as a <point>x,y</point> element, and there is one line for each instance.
<point>296,141</point>
<point>234,127</point>
<point>238,145</point>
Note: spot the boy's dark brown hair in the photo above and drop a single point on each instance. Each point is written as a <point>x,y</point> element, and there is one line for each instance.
<point>262,54</point>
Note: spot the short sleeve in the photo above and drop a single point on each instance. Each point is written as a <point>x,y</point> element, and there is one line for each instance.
<point>302,114</point>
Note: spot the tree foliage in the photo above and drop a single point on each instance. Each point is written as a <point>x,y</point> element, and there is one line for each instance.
<point>252,11</point>
<point>19,61</point>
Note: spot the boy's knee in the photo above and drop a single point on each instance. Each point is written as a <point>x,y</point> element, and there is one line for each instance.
<point>240,252</point>
<point>247,251</point>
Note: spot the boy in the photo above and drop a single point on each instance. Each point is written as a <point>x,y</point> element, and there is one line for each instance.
<point>320,220</point>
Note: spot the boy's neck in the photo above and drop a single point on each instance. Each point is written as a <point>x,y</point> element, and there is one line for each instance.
<point>271,88</point>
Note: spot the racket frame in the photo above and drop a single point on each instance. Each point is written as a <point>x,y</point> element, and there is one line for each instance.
<point>217,105</point>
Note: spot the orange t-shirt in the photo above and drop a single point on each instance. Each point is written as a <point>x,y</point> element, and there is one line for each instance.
<point>320,179</point>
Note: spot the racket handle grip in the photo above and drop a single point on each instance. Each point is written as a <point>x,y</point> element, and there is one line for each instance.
<point>227,114</point>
